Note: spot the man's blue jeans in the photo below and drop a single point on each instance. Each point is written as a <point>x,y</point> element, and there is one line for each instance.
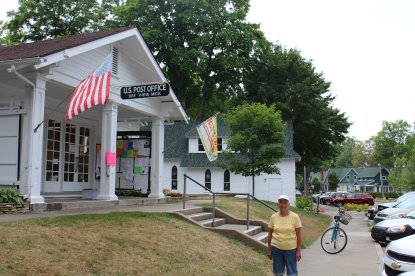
<point>282,259</point>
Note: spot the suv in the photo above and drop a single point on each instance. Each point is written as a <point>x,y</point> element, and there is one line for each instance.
<point>355,198</point>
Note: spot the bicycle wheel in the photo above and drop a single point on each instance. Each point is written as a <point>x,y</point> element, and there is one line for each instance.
<point>336,245</point>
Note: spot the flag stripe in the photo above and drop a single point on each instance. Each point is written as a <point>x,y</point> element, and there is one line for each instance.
<point>209,136</point>
<point>91,91</point>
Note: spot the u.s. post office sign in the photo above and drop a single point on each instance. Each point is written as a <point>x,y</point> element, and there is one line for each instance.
<point>145,91</point>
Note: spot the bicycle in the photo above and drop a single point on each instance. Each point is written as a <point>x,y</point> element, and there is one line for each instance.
<point>334,239</point>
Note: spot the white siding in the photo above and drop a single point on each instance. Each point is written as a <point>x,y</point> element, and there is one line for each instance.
<point>267,187</point>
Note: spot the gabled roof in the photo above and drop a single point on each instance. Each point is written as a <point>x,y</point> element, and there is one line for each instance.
<point>176,144</point>
<point>47,47</point>
<point>370,172</point>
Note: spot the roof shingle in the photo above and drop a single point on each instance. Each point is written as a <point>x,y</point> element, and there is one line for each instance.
<point>47,47</point>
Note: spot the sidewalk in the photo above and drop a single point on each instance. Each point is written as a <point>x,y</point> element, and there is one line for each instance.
<point>360,257</point>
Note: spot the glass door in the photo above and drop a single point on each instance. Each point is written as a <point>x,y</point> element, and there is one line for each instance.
<point>76,157</point>
<point>53,148</point>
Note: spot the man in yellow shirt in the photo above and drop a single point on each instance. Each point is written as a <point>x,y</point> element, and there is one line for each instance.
<point>284,239</point>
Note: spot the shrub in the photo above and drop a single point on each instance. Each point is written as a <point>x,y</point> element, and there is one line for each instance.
<point>122,192</point>
<point>303,203</point>
<point>387,195</point>
<point>356,207</point>
<point>10,195</point>
<point>168,192</point>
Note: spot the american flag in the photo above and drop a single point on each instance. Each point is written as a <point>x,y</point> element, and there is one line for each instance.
<point>92,90</point>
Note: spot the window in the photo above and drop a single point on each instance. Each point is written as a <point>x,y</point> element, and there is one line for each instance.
<point>53,150</point>
<point>174,178</point>
<point>201,148</point>
<point>355,177</point>
<point>383,177</point>
<point>226,181</point>
<point>208,179</point>
<point>348,177</point>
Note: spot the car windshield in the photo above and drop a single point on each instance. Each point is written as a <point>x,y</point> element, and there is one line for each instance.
<point>409,203</point>
<point>405,197</point>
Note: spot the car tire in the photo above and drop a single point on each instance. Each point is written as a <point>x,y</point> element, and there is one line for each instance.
<point>339,204</point>
<point>321,201</point>
<point>328,202</point>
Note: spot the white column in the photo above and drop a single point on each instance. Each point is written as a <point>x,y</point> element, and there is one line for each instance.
<point>157,157</point>
<point>35,140</point>
<point>108,144</point>
<point>26,136</point>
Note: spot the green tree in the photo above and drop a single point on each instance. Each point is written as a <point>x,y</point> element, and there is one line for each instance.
<point>284,78</point>
<point>398,174</point>
<point>38,20</point>
<point>256,142</point>
<point>345,152</point>
<point>316,184</point>
<point>203,46</point>
<point>333,180</point>
<point>390,142</point>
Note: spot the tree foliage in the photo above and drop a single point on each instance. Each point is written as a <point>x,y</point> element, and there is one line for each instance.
<point>39,20</point>
<point>390,143</point>
<point>284,78</point>
<point>333,180</point>
<point>203,46</point>
<point>256,142</point>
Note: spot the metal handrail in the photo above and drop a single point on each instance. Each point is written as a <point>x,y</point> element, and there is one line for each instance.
<point>204,187</point>
<point>219,193</point>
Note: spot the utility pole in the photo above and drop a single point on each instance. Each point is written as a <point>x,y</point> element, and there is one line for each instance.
<point>381,180</point>
<point>305,182</point>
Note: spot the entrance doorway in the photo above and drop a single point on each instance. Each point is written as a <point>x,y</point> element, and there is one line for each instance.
<point>68,157</point>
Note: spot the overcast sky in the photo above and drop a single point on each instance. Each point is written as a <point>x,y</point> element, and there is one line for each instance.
<point>365,48</point>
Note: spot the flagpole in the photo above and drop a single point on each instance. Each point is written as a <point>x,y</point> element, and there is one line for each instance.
<point>50,113</point>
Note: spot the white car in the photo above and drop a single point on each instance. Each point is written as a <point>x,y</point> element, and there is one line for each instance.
<point>398,211</point>
<point>399,257</point>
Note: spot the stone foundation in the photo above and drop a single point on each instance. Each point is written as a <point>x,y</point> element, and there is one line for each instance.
<point>7,208</point>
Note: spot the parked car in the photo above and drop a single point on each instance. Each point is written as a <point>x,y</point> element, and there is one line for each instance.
<point>326,198</point>
<point>386,205</point>
<point>394,229</point>
<point>329,200</point>
<point>314,197</point>
<point>370,213</point>
<point>399,257</point>
<point>355,198</point>
<point>398,211</point>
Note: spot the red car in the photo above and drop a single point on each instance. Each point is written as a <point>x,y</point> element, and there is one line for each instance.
<point>328,198</point>
<point>355,198</point>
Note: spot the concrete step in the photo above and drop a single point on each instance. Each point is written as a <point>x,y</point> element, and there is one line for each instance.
<point>209,222</point>
<point>262,237</point>
<point>253,230</point>
<point>201,216</point>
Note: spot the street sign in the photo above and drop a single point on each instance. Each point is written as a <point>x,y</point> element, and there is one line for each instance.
<point>145,91</point>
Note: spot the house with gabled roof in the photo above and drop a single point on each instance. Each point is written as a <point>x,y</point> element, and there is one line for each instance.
<point>45,155</point>
<point>360,179</point>
<point>184,154</point>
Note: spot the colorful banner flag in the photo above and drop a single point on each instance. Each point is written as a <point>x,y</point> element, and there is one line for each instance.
<point>208,133</point>
<point>92,91</point>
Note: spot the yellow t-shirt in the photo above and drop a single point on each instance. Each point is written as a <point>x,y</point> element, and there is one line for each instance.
<point>284,236</point>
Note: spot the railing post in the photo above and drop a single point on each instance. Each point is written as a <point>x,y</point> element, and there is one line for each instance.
<point>213,222</point>
<point>184,192</point>
<point>247,211</point>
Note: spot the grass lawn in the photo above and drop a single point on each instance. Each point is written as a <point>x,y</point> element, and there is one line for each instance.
<point>134,243</point>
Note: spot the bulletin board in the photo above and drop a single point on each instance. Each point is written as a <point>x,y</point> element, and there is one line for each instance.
<point>133,160</point>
